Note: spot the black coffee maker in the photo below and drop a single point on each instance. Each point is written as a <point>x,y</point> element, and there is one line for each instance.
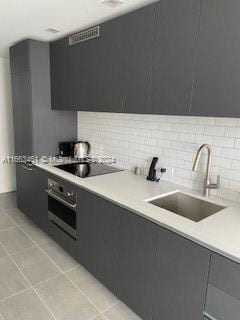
<point>66,148</point>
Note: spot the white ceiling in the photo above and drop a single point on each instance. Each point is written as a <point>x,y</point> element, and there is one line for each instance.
<point>21,19</point>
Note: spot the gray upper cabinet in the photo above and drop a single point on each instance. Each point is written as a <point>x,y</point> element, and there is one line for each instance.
<point>22,115</point>
<point>98,223</point>
<point>181,278</point>
<point>61,88</point>
<point>19,55</point>
<point>139,34</point>
<point>176,31</point>
<point>216,88</point>
<point>37,128</point>
<point>89,75</point>
<point>137,261</point>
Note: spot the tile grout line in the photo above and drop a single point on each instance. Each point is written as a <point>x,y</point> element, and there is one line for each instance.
<point>30,285</point>
<point>62,272</point>
<point>92,303</point>
<point>14,294</point>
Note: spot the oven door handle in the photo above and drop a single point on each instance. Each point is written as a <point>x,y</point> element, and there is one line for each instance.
<point>54,196</point>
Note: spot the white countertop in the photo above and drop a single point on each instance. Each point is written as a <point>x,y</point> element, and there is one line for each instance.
<point>219,232</point>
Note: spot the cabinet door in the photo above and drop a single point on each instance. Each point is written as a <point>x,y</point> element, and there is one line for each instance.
<point>89,75</point>
<point>97,69</point>
<point>216,89</point>
<point>139,33</point>
<point>98,233</point>
<point>61,87</point>
<point>39,213</point>
<point>22,113</point>
<point>25,195</point>
<point>31,195</point>
<point>181,278</point>
<point>174,56</point>
<point>19,57</point>
<point>137,260</point>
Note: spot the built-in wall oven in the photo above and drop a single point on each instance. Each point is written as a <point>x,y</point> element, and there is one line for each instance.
<point>62,206</point>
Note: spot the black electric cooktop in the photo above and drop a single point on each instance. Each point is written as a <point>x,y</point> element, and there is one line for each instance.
<point>86,169</point>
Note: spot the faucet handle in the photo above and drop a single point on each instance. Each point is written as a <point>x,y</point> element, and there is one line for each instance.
<point>218,181</point>
<point>214,185</point>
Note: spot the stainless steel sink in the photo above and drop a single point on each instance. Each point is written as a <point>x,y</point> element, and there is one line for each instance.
<point>187,206</point>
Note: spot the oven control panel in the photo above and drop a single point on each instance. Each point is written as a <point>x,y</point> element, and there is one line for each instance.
<point>62,191</point>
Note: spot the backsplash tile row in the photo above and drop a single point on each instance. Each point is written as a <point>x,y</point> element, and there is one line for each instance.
<point>135,139</point>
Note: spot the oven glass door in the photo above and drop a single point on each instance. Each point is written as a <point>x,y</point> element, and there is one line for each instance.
<point>62,216</point>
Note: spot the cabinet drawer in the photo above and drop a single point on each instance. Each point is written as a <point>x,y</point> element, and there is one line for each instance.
<point>221,306</point>
<point>225,275</point>
<point>64,240</point>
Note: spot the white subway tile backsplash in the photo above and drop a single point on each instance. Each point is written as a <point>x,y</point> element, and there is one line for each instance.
<point>223,142</point>
<point>231,153</point>
<point>226,122</point>
<point>214,130</point>
<point>232,132</point>
<point>135,139</point>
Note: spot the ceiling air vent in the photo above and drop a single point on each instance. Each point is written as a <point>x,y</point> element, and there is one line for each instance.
<point>84,35</point>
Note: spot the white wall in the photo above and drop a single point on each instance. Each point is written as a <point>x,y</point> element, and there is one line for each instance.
<point>135,139</point>
<point>7,172</point>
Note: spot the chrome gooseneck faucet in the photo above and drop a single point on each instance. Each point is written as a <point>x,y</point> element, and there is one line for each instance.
<point>207,184</point>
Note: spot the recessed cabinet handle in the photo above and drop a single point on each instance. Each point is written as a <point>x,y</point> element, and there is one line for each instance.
<point>209,317</point>
<point>27,168</point>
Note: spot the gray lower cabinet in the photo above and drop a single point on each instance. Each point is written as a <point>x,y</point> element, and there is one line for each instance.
<point>98,225</point>
<point>40,208</point>
<point>176,32</point>
<point>25,196</point>
<point>63,239</point>
<point>216,88</point>
<point>139,37</point>
<point>223,294</point>
<point>31,195</point>
<point>225,275</point>
<point>220,305</point>
<point>137,262</point>
<point>181,278</point>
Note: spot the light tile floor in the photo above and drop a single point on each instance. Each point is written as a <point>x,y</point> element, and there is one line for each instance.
<point>40,281</point>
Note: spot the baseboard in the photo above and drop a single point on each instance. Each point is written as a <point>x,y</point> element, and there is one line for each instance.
<point>6,189</point>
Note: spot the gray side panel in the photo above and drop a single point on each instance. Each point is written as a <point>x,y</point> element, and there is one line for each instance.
<point>216,91</point>
<point>139,33</point>
<point>225,275</point>
<point>174,55</point>
<point>181,278</point>
<point>50,126</point>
